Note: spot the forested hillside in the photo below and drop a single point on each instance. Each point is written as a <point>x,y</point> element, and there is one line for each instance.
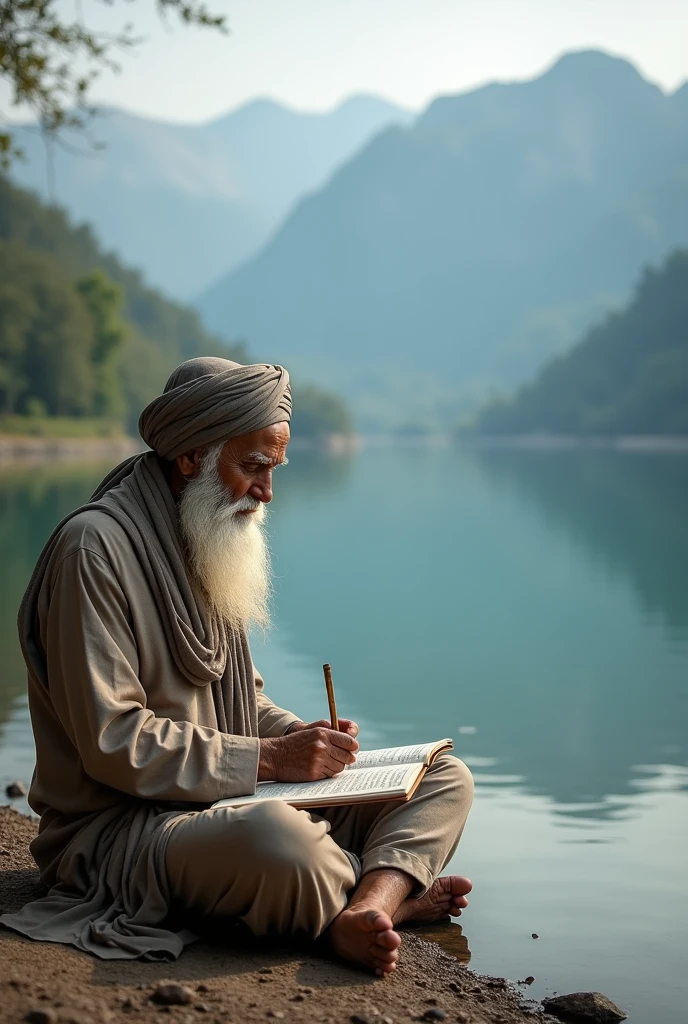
<point>81,335</point>
<point>455,256</point>
<point>629,374</point>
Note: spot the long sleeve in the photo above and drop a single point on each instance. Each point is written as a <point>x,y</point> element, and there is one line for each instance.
<point>93,672</point>
<point>272,721</point>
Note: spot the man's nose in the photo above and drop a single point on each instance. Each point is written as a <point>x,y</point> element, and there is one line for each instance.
<point>262,488</point>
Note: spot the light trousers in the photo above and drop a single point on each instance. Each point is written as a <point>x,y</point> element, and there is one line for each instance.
<point>283,871</point>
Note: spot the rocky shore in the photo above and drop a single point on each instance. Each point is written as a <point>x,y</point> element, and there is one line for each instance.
<point>223,980</point>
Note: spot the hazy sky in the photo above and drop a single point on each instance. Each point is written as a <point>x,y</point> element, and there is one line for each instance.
<point>312,53</point>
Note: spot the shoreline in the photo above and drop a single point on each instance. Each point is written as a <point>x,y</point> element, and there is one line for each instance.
<point>23,449</point>
<point>231,981</point>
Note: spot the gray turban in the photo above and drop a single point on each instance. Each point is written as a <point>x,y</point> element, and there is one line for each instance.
<point>210,399</point>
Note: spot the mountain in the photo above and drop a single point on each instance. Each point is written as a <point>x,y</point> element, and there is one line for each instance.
<point>629,375</point>
<point>186,203</point>
<point>452,256</point>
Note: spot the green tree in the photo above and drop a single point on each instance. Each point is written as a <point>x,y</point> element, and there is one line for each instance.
<point>51,61</point>
<point>103,300</point>
<point>46,336</point>
<point>318,413</point>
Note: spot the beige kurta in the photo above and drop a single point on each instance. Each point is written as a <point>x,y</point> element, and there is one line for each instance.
<point>124,741</point>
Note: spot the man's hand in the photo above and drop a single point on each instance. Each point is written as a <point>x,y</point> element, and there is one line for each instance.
<point>306,754</point>
<point>345,725</point>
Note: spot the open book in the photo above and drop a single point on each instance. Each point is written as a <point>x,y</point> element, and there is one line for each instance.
<point>389,774</point>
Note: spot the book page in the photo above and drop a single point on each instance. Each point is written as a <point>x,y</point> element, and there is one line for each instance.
<point>366,782</point>
<point>395,755</point>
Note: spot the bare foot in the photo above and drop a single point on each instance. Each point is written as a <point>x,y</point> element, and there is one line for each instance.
<point>367,936</point>
<point>446,896</point>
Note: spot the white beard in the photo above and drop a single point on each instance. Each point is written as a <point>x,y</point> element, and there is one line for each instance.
<point>227,553</point>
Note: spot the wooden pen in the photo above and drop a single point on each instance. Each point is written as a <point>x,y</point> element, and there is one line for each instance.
<point>327,672</point>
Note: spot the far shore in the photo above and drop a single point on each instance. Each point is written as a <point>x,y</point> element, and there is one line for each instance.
<point>19,449</point>
<point>23,448</point>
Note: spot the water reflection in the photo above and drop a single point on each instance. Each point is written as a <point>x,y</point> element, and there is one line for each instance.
<point>480,597</point>
<point>449,936</point>
<point>627,510</point>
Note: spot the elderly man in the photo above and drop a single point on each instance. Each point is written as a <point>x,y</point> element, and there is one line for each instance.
<point>146,708</point>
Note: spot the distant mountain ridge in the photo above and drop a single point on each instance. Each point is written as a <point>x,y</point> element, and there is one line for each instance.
<point>187,203</point>
<point>455,255</point>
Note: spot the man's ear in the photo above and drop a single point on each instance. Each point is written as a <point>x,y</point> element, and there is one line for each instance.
<point>189,464</point>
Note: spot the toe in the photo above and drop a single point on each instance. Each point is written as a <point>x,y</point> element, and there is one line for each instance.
<point>384,956</point>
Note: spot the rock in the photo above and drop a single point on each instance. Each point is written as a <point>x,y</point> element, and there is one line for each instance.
<point>264,980</point>
<point>278,1014</point>
<point>298,998</point>
<point>584,1006</point>
<point>360,1018</point>
<point>265,970</point>
<point>4,852</point>
<point>535,935</point>
<point>42,1016</point>
<point>202,1008</point>
<point>462,1017</point>
<point>171,993</point>
<point>529,980</point>
<point>15,789</point>
<point>434,1013</point>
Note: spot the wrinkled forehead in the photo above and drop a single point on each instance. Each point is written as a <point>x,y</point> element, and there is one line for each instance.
<point>265,446</point>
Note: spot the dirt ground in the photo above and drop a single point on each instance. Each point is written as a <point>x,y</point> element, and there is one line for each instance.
<point>230,981</point>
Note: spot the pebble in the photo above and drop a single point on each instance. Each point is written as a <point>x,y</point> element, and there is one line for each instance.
<point>585,1006</point>
<point>263,980</point>
<point>535,935</point>
<point>202,1008</point>
<point>43,1016</point>
<point>462,1017</point>
<point>529,980</point>
<point>278,1014</point>
<point>265,970</point>
<point>15,789</point>
<point>4,852</point>
<point>360,1018</point>
<point>434,1013</point>
<point>171,993</point>
<point>298,998</point>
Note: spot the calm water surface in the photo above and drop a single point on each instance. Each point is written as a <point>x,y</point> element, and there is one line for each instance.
<point>532,606</point>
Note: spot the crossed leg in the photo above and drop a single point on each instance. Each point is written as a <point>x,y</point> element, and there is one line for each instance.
<point>284,871</point>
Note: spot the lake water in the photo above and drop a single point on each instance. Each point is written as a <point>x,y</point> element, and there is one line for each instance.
<point>533,606</point>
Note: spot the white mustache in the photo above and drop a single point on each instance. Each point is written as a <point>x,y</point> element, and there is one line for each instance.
<point>245,504</point>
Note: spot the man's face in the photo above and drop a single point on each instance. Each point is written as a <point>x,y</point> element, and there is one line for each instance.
<point>247,463</point>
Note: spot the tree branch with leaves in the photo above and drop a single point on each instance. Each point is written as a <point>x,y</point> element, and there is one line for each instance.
<point>51,62</point>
